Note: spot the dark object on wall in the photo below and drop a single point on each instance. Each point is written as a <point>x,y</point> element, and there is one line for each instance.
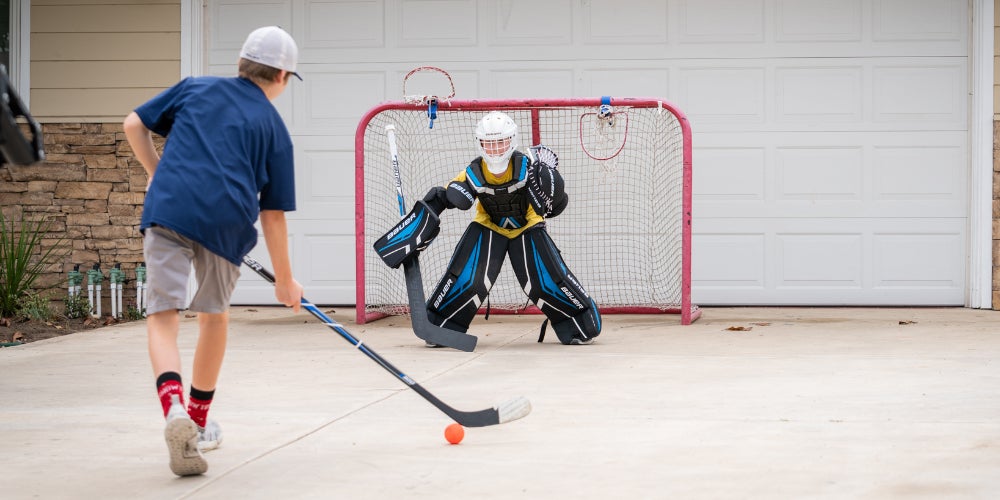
<point>14,146</point>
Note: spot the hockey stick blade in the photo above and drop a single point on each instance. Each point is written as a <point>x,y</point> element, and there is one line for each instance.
<point>511,410</point>
<point>422,326</point>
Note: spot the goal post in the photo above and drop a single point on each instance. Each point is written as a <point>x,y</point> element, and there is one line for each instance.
<point>626,233</point>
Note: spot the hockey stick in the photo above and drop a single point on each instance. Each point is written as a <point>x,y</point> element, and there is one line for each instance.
<point>513,409</point>
<point>422,326</point>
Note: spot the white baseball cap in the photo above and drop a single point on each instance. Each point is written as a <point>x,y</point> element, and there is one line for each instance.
<point>272,46</point>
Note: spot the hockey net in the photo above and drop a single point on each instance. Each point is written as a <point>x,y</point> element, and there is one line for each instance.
<point>626,233</point>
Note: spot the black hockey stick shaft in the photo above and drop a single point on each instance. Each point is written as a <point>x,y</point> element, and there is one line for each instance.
<point>422,327</point>
<point>510,410</point>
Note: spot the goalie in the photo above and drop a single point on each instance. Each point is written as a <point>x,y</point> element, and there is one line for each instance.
<point>516,193</point>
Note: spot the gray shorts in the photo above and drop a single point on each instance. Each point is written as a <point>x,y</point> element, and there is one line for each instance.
<point>169,258</point>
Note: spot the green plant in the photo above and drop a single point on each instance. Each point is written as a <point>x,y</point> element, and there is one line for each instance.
<point>22,259</point>
<point>133,313</point>
<point>77,306</point>
<point>34,306</point>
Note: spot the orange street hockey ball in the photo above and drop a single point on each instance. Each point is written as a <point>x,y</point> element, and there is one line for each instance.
<point>454,433</point>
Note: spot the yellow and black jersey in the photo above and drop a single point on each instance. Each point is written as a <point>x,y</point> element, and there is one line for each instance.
<point>502,201</point>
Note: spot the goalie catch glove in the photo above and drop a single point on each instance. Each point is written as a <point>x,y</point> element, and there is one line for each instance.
<point>409,236</point>
<point>546,191</point>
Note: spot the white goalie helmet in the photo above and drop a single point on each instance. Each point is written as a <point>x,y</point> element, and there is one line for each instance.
<point>496,136</point>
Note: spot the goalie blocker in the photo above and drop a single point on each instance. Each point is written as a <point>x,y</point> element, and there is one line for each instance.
<point>411,235</point>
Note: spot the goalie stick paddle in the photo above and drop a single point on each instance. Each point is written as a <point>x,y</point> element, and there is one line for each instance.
<point>513,409</point>
<point>422,326</point>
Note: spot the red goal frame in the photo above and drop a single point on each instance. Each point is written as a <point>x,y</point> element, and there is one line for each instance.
<point>686,310</point>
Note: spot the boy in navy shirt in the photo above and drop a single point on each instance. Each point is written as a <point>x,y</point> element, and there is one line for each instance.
<point>228,158</point>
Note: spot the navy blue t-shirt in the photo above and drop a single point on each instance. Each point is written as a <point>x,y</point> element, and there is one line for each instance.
<point>228,155</point>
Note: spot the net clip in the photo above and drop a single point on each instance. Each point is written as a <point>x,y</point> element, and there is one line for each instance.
<point>432,111</point>
<point>606,111</point>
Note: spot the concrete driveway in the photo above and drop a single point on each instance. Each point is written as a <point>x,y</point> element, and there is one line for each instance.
<point>783,403</point>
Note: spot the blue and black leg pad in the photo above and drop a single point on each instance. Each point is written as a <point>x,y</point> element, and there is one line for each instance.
<point>550,285</point>
<point>473,270</point>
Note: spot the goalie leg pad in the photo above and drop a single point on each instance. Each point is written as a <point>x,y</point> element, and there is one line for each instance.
<point>583,327</point>
<point>551,286</point>
<point>471,274</point>
<point>411,235</point>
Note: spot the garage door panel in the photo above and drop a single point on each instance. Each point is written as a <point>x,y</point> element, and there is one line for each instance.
<point>416,15</point>
<point>917,259</point>
<point>819,95</point>
<point>324,182</point>
<point>326,24</point>
<point>819,174</point>
<point>919,173</point>
<point>603,22</point>
<point>729,260</point>
<point>529,82</point>
<point>318,261</point>
<point>830,262</point>
<point>323,270</point>
<point>726,96</point>
<point>729,174</point>
<point>915,93</point>
<point>897,20</point>
<point>631,81</point>
<point>714,21</point>
<point>819,260</point>
<point>818,20</point>
<point>529,22</point>
<point>231,21</point>
<point>334,99</point>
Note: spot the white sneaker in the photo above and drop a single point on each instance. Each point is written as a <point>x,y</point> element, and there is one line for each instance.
<point>579,341</point>
<point>210,436</point>
<point>181,434</point>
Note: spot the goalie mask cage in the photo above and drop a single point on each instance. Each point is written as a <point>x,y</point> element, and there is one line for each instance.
<point>625,235</point>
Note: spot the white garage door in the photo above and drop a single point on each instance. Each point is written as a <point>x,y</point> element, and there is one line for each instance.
<point>830,136</point>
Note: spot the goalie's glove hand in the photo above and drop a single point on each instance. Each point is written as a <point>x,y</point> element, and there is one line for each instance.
<point>545,189</point>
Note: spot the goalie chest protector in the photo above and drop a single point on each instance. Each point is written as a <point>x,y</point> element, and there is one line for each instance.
<point>507,203</point>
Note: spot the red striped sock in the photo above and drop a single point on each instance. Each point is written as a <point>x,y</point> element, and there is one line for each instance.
<point>167,385</point>
<point>198,405</point>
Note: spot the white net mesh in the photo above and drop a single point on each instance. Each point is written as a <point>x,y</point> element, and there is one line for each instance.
<point>621,234</point>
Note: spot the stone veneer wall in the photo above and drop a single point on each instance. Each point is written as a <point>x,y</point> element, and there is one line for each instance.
<point>91,188</point>
<point>996,214</point>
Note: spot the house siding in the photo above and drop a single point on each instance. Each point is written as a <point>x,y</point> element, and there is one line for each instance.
<point>93,61</point>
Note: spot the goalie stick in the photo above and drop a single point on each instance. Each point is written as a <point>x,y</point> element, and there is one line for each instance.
<point>513,409</point>
<point>422,326</point>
